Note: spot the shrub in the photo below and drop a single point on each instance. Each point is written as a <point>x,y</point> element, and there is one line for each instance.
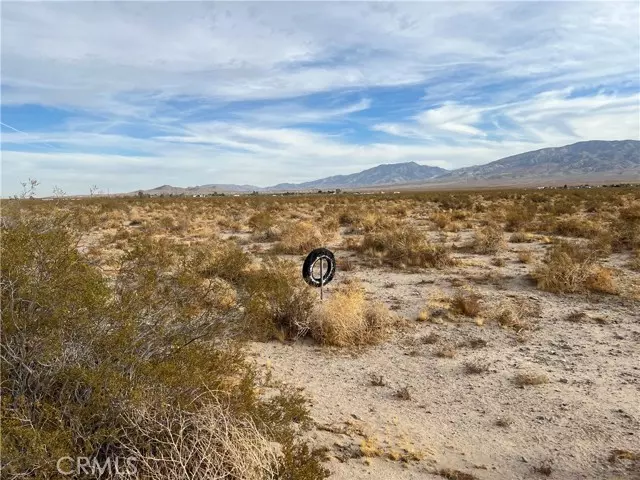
<point>601,280</point>
<point>488,239</point>
<point>576,226</point>
<point>406,246</point>
<point>475,367</point>
<point>260,221</point>
<point>525,256</point>
<point>522,379</point>
<point>570,268</point>
<point>634,264</point>
<point>521,237</point>
<point>103,369</point>
<point>299,238</point>
<point>224,260</point>
<point>516,313</point>
<point>518,217</point>
<point>347,318</point>
<point>466,303</point>
<point>280,303</point>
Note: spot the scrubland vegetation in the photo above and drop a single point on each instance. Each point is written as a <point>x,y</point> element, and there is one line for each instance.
<point>126,322</point>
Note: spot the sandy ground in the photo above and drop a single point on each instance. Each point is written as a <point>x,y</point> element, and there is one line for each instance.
<point>481,424</point>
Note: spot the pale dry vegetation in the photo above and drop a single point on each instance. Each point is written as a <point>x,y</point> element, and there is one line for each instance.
<point>126,321</point>
<point>347,318</point>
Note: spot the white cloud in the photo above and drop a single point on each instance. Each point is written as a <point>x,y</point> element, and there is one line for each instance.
<point>218,86</point>
<point>548,119</point>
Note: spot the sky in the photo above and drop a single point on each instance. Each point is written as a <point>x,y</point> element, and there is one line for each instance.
<point>133,95</point>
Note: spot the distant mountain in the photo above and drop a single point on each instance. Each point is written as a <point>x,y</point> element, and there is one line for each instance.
<point>387,174</point>
<point>581,159</point>
<point>201,189</point>
<point>592,161</point>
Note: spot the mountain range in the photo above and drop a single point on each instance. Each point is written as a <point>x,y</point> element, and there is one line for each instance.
<point>595,161</point>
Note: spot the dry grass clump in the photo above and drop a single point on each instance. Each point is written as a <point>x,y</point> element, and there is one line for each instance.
<point>601,280</point>
<point>523,379</point>
<point>347,318</point>
<point>298,238</point>
<point>525,256</point>
<point>406,247</point>
<point>446,351</point>
<point>518,217</point>
<point>521,237</point>
<point>466,303</point>
<point>224,260</point>
<point>213,441</point>
<point>516,313</point>
<point>504,422</point>
<point>621,454</point>
<point>452,474</point>
<point>498,262</point>
<point>488,239</point>
<point>403,393</point>
<point>577,317</point>
<point>279,304</point>
<point>570,268</point>
<point>476,367</point>
<point>634,264</point>
<point>264,226</point>
<point>545,468</point>
<point>442,220</point>
<point>576,226</point>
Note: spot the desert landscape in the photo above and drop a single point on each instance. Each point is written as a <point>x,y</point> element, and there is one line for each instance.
<point>483,334</point>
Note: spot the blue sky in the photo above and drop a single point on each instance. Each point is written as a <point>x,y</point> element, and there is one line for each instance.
<point>133,95</point>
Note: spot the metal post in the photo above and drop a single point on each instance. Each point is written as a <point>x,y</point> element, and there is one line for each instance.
<point>321,277</point>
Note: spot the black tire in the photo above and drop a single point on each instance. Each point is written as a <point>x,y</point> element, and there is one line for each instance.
<point>309,262</point>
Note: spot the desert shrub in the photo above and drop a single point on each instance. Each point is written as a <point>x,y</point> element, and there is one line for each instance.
<point>406,246</point>
<point>634,264</point>
<point>525,256</point>
<point>466,303</point>
<point>516,313</point>
<point>264,227</point>
<point>571,268</point>
<point>300,237</point>
<point>261,221</point>
<point>498,261</point>
<point>347,318</point>
<point>279,303</point>
<point>521,237</point>
<point>209,442</point>
<point>519,217</point>
<point>601,280</point>
<point>348,217</point>
<point>89,365</point>
<point>576,226</point>
<point>441,219</point>
<point>528,378</point>
<point>222,259</point>
<point>488,239</point>
<point>626,229</point>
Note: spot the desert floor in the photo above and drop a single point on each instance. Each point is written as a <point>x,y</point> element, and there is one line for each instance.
<point>529,381</point>
<point>480,424</point>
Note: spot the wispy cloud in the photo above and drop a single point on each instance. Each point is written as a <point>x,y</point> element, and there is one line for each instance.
<point>136,94</point>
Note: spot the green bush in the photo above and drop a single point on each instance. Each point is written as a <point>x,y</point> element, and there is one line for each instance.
<point>104,368</point>
<point>280,303</point>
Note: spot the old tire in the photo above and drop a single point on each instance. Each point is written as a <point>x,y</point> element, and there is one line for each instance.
<point>329,267</point>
